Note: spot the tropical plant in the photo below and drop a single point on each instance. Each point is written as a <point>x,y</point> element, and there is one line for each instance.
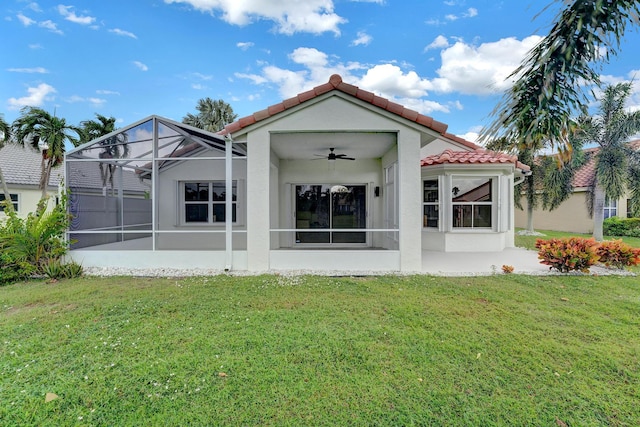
<point>5,135</point>
<point>46,133</point>
<point>617,164</point>
<point>29,244</point>
<point>113,147</point>
<point>212,115</point>
<point>548,90</point>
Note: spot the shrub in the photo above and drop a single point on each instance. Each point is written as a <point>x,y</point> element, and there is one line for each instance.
<point>568,254</point>
<point>506,269</point>
<point>615,226</point>
<point>28,245</point>
<point>618,254</point>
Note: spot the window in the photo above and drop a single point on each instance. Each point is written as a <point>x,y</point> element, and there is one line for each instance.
<point>472,202</point>
<point>430,203</point>
<point>14,200</point>
<point>204,202</point>
<point>610,208</point>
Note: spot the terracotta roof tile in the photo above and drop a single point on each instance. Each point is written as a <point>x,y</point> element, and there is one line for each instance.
<point>336,83</point>
<point>477,156</point>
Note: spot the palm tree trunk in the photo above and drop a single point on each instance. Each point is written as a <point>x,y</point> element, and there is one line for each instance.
<point>530,217</point>
<point>598,212</point>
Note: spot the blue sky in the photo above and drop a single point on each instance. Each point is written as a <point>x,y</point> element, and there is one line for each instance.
<point>129,59</point>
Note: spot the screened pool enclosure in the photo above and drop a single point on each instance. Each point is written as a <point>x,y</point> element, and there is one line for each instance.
<point>157,185</point>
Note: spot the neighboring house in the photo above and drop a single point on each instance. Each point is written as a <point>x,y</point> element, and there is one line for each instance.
<point>335,178</point>
<point>21,168</point>
<point>573,214</point>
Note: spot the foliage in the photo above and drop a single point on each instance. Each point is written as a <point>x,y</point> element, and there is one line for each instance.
<point>616,226</point>
<point>54,268</point>
<point>112,147</point>
<point>568,254</point>
<point>617,162</point>
<point>618,254</point>
<point>507,269</point>
<point>5,135</point>
<point>548,87</point>
<point>45,133</point>
<point>29,244</point>
<point>212,116</point>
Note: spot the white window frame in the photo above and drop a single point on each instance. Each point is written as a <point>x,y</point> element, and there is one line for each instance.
<point>610,208</point>
<point>16,203</point>
<point>182,203</point>
<point>437,202</point>
<point>493,179</point>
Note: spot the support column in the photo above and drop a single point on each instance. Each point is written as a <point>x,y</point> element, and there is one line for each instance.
<point>410,206</point>
<point>258,238</point>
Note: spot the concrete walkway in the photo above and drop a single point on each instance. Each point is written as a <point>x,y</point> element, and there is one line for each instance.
<point>522,260</point>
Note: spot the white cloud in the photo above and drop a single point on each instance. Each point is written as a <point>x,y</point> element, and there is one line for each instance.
<point>39,70</point>
<point>124,33</point>
<point>363,39</point>
<point>481,70</point>
<point>386,80</point>
<point>289,16</point>
<point>25,20</point>
<point>244,45</point>
<point>35,98</point>
<point>50,25</point>
<point>34,6</point>
<point>141,66</point>
<point>35,46</point>
<point>70,15</point>
<point>107,92</point>
<point>439,42</point>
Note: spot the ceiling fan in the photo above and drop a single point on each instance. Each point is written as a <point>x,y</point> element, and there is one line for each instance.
<point>333,156</point>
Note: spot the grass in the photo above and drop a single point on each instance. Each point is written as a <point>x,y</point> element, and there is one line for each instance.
<point>500,350</point>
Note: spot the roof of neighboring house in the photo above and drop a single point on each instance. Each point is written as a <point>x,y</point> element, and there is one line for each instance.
<point>584,176</point>
<point>21,166</point>
<point>88,176</point>
<point>477,156</point>
<point>336,83</point>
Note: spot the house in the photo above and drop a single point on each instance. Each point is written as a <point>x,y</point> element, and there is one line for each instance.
<point>335,178</point>
<point>21,168</point>
<point>573,214</point>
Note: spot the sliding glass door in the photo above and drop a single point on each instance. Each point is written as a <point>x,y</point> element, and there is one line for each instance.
<point>323,206</point>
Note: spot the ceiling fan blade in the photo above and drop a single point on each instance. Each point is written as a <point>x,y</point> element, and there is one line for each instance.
<point>346,158</point>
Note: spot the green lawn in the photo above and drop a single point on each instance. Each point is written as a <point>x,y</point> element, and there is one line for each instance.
<point>506,350</point>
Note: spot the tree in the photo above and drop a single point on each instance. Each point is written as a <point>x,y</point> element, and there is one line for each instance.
<point>617,164</point>
<point>46,133</point>
<point>550,180</point>
<point>112,148</point>
<point>212,115</point>
<point>5,135</point>
<point>548,89</point>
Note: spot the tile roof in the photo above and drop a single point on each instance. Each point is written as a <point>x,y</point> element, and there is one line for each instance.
<point>336,83</point>
<point>477,156</point>
<point>584,176</point>
<point>21,166</point>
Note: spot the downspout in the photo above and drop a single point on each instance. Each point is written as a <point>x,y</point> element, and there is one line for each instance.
<point>522,178</point>
<point>228,202</point>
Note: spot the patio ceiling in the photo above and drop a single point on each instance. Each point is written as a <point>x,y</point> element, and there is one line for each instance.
<point>308,145</point>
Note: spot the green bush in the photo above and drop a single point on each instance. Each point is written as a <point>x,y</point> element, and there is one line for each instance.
<point>568,254</point>
<point>28,245</point>
<point>616,226</point>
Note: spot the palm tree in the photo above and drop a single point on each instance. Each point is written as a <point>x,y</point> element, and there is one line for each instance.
<point>617,165</point>
<point>549,81</point>
<point>549,183</point>
<point>5,135</point>
<point>112,148</point>
<point>212,115</point>
<point>46,133</point>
